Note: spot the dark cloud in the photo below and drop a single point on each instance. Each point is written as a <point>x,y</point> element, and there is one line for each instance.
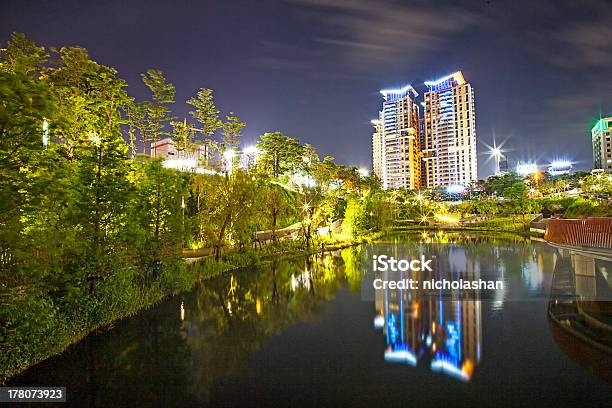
<point>366,33</point>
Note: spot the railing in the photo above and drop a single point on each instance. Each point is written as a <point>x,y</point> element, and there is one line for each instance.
<point>593,232</point>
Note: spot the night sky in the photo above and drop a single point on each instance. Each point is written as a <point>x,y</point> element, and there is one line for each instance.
<point>312,69</point>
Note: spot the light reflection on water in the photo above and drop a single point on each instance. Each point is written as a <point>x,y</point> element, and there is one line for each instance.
<point>240,329</point>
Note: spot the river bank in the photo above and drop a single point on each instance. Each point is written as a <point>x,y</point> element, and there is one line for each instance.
<point>43,335</point>
<point>28,348</point>
<point>285,331</point>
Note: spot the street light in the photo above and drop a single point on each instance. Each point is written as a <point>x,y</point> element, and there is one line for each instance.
<point>497,154</point>
<point>229,155</point>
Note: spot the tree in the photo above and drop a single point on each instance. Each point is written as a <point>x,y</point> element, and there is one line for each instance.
<point>379,211</point>
<point>90,99</point>
<point>23,55</point>
<point>224,206</point>
<point>157,110</point>
<point>160,194</point>
<point>135,120</point>
<point>24,105</point>
<point>521,204</point>
<point>355,218</point>
<point>205,113</point>
<point>280,154</point>
<point>232,130</point>
<point>278,203</point>
<point>498,184</point>
<point>182,135</point>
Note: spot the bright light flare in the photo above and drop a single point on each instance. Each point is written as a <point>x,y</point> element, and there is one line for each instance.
<point>363,172</point>
<point>496,152</point>
<point>526,169</point>
<point>251,150</point>
<point>446,218</point>
<point>180,164</point>
<point>455,189</point>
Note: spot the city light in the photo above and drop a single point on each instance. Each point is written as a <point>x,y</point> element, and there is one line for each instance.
<point>45,136</point>
<point>457,76</point>
<point>446,218</point>
<point>455,189</point>
<point>95,139</point>
<point>180,164</point>
<point>397,91</point>
<point>559,167</point>
<point>561,163</point>
<point>251,150</point>
<point>526,169</point>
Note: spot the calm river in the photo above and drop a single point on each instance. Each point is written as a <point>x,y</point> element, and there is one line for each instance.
<point>315,332</point>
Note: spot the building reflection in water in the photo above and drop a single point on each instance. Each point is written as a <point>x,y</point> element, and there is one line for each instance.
<point>443,330</point>
<point>580,309</point>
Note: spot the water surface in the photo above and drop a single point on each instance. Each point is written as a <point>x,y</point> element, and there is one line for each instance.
<point>314,332</point>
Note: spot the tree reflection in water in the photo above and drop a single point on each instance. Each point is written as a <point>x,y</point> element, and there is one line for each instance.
<point>183,351</point>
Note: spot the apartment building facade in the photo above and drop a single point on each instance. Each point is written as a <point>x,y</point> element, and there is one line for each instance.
<point>449,133</point>
<point>435,149</point>
<point>601,137</point>
<point>396,140</point>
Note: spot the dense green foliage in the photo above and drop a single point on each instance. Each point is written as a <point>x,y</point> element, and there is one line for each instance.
<point>92,228</point>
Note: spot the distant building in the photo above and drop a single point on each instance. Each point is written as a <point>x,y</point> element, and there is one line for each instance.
<point>561,167</point>
<point>396,140</point>
<point>377,149</point>
<point>193,158</point>
<point>503,165</point>
<point>449,148</point>
<point>602,144</point>
<point>166,149</point>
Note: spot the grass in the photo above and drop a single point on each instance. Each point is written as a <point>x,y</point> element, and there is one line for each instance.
<point>40,329</point>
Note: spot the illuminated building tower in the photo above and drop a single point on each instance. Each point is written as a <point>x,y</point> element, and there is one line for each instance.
<point>602,144</point>
<point>449,148</point>
<point>397,135</point>
<point>377,149</point>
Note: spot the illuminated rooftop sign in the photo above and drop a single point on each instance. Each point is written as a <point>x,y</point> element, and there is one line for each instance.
<point>454,79</point>
<point>399,91</point>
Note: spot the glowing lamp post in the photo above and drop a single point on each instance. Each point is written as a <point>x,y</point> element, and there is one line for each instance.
<point>496,153</point>
<point>229,160</point>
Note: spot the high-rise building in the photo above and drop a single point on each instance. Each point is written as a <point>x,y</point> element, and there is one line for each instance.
<point>396,140</point>
<point>377,149</point>
<point>449,138</point>
<point>601,136</point>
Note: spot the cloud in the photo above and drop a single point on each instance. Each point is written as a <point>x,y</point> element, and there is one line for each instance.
<point>365,32</point>
<point>587,44</point>
<point>572,35</point>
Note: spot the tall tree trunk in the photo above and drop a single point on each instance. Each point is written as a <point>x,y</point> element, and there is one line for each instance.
<point>221,234</point>
<point>157,249</point>
<point>274,216</point>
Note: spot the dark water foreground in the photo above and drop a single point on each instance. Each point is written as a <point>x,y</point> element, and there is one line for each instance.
<point>313,332</point>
